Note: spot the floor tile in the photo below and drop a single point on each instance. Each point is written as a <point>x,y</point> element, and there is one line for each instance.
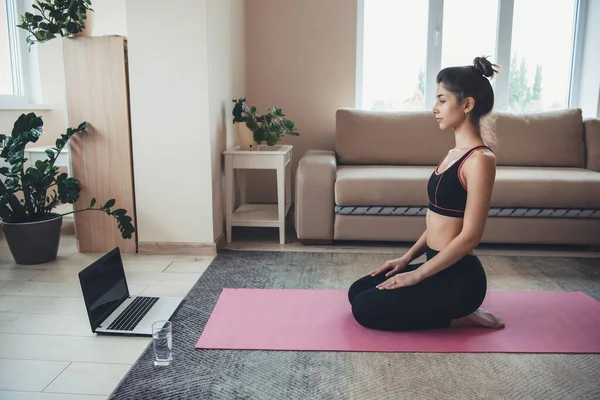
<point>42,305</point>
<point>9,263</point>
<point>14,274</point>
<point>89,378</point>
<point>29,288</point>
<point>28,375</point>
<point>45,324</point>
<point>162,279</point>
<point>194,266</point>
<point>51,289</point>
<point>80,261</point>
<point>119,350</point>
<point>10,395</point>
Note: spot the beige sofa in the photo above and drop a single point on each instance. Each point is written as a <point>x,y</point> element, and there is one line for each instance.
<point>373,186</point>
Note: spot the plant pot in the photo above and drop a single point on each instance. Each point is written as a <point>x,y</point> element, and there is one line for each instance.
<point>33,243</point>
<point>89,24</point>
<point>245,137</point>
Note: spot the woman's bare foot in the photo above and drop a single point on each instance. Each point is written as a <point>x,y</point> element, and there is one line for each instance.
<point>480,317</point>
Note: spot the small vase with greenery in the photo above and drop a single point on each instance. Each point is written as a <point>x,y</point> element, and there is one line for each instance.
<point>55,18</point>
<point>269,127</point>
<point>29,195</point>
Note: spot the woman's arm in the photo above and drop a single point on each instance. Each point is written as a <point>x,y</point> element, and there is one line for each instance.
<point>480,175</point>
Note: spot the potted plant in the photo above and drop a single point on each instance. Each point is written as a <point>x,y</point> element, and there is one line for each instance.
<point>29,195</point>
<point>253,128</point>
<point>56,18</point>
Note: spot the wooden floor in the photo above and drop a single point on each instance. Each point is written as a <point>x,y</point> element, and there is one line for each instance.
<point>47,350</point>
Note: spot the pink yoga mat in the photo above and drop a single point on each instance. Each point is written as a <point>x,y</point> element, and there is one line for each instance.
<point>321,320</point>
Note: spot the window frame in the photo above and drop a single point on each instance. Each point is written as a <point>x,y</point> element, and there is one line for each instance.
<point>24,61</point>
<point>502,56</point>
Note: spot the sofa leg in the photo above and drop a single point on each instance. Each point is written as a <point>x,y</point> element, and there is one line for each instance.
<point>316,242</point>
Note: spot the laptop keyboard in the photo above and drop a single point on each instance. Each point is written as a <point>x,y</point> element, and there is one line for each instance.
<point>133,314</point>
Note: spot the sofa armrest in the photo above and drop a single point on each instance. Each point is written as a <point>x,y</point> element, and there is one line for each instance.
<point>314,198</point>
<point>591,127</point>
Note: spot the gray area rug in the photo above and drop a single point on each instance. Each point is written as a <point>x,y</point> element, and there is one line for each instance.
<point>233,374</point>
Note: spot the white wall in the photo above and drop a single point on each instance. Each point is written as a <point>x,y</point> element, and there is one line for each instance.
<point>110,17</point>
<point>168,70</point>
<point>226,70</point>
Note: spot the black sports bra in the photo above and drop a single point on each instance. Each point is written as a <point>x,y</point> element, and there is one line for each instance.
<point>446,192</point>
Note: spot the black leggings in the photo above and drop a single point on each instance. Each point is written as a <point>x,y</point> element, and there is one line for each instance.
<point>454,292</point>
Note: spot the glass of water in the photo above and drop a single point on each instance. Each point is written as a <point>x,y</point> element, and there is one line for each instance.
<point>162,342</point>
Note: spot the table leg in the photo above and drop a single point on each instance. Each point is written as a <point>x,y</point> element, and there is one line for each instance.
<point>229,195</point>
<point>281,189</point>
<point>242,185</point>
<point>288,186</point>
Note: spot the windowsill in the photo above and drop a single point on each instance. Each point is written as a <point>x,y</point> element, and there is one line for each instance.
<point>26,107</point>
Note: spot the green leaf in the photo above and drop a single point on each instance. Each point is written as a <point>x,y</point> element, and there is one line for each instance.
<point>50,153</point>
<point>272,140</point>
<point>53,28</point>
<point>82,126</point>
<point>16,167</point>
<point>119,212</point>
<point>27,123</point>
<point>260,135</point>
<point>72,27</point>
<point>109,203</point>
<point>289,124</point>
<point>36,174</point>
<point>61,177</point>
<point>252,124</point>
<point>93,202</point>
<point>68,190</point>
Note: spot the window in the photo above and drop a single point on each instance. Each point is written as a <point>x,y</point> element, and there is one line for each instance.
<point>540,67</point>
<point>393,68</point>
<point>14,56</point>
<point>463,41</point>
<point>402,44</point>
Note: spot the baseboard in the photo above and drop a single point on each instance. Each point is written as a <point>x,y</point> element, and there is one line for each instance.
<point>182,249</point>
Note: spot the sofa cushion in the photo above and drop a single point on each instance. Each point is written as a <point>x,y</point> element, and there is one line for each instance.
<point>379,185</point>
<point>552,139</point>
<point>526,187</point>
<point>591,127</point>
<point>365,137</point>
<point>546,187</point>
<point>390,138</point>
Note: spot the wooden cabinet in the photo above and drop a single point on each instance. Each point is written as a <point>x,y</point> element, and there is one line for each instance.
<point>97,91</point>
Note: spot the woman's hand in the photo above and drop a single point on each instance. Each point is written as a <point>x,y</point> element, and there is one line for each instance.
<point>395,266</point>
<point>401,280</point>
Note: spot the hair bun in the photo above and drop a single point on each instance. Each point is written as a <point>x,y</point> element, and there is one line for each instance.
<point>484,66</point>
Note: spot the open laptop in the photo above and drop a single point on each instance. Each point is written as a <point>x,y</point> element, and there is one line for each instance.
<point>111,309</point>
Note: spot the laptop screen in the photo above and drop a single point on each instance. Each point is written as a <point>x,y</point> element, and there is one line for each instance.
<point>104,286</point>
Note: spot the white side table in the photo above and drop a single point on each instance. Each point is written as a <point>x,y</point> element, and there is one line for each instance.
<point>277,157</point>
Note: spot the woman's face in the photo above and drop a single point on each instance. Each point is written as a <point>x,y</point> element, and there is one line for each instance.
<point>447,111</point>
